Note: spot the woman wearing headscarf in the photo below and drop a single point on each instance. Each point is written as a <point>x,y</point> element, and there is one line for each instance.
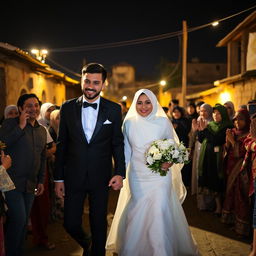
<point>205,114</point>
<point>210,166</point>
<point>11,111</point>
<point>236,206</point>
<point>54,124</point>
<point>229,105</point>
<point>149,219</point>
<point>45,112</point>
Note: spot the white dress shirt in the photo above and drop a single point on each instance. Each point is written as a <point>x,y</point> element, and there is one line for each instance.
<point>89,119</point>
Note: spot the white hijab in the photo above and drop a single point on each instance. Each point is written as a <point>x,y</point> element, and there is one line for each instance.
<point>157,109</point>
<point>42,119</point>
<point>8,109</point>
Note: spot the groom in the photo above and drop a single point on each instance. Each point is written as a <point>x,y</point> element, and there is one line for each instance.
<point>89,136</point>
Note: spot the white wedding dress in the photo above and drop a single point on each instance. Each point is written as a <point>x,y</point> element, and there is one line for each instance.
<point>149,219</point>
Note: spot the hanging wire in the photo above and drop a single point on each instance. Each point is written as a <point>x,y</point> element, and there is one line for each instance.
<point>118,44</point>
<point>142,40</point>
<point>64,68</point>
<point>136,42</point>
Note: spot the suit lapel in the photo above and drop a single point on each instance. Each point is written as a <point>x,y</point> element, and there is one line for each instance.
<point>102,116</point>
<point>78,110</point>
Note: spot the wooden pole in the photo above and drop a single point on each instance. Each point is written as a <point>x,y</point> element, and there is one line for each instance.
<point>184,62</point>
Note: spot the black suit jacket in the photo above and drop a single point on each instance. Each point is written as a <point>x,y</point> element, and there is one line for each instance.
<point>79,162</point>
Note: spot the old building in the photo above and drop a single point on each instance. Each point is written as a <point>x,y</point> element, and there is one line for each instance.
<point>239,85</point>
<point>200,77</point>
<point>21,73</point>
<point>122,83</point>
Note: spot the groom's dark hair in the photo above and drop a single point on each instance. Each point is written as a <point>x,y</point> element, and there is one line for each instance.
<point>95,68</point>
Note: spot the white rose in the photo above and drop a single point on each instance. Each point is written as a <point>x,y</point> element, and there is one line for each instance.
<point>153,150</point>
<point>164,145</point>
<point>175,153</point>
<point>157,156</point>
<point>150,160</point>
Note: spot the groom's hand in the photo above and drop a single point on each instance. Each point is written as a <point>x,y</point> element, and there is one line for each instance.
<point>116,182</point>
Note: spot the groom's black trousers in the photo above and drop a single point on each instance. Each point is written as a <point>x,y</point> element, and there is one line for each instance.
<point>73,212</point>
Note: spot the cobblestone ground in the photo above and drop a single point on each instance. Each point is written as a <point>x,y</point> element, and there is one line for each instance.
<point>213,238</point>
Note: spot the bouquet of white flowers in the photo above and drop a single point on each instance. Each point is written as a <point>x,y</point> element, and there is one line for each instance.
<point>166,150</point>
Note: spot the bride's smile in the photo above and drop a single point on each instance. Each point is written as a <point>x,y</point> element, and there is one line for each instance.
<point>144,106</point>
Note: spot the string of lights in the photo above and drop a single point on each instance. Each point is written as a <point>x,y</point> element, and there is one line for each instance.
<point>145,39</point>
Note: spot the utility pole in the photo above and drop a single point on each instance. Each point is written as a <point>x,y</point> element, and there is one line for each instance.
<point>184,62</point>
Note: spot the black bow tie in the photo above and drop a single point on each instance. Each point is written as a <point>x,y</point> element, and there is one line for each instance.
<point>87,104</point>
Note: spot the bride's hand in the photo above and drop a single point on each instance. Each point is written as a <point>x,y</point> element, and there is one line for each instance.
<point>165,166</point>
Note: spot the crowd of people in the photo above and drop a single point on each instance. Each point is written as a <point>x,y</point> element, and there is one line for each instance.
<point>221,172</point>
<point>54,158</point>
<point>222,144</point>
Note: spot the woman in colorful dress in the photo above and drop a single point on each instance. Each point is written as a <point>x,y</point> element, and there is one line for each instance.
<point>236,206</point>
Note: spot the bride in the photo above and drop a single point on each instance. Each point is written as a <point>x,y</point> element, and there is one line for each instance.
<point>149,219</point>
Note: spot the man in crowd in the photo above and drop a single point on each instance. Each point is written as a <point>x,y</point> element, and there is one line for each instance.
<point>25,141</point>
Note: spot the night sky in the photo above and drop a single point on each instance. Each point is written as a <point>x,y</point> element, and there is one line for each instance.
<point>57,24</point>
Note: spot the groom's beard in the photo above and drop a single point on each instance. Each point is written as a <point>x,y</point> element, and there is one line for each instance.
<point>91,96</point>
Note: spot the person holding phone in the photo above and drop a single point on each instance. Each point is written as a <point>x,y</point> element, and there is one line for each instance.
<point>25,141</point>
